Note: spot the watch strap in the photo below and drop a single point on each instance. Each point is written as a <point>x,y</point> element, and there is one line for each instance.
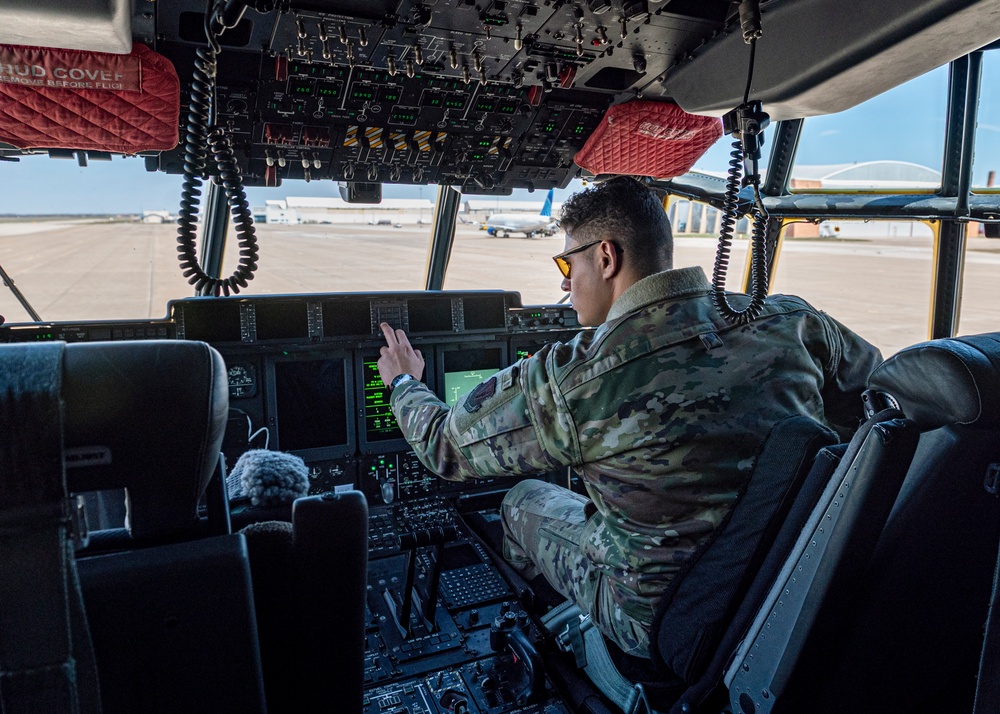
<point>400,379</point>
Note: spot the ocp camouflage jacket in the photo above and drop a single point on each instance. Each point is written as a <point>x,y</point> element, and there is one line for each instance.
<point>661,410</point>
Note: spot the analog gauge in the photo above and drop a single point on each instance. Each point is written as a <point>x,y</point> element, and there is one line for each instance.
<point>242,380</point>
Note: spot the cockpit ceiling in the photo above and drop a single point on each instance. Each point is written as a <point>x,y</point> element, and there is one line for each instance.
<point>491,95</point>
<point>820,57</point>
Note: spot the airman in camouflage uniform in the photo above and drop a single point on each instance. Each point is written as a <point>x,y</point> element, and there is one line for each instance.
<point>661,410</point>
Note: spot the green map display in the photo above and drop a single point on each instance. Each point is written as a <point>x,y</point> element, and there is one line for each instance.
<point>458,384</point>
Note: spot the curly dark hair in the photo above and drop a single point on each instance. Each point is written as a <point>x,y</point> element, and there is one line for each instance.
<point>626,211</point>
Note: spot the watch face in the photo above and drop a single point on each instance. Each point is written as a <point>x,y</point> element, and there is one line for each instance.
<point>400,378</point>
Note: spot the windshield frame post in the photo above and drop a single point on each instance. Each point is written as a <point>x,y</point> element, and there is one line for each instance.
<point>956,180</point>
<point>949,266</point>
<point>443,236</point>
<point>779,165</point>
<point>965,74</point>
<point>779,171</point>
<point>214,231</point>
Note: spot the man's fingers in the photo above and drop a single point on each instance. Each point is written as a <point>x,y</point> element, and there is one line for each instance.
<point>389,333</point>
<point>402,338</point>
<point>417,353</point>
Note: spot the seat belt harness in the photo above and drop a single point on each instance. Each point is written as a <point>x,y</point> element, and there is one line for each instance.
<point>567,622</point>
<point>988,682</point>
<point>575,633</point>
<point>46,661</point>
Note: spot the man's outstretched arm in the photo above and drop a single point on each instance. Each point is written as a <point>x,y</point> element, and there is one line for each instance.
<point>489,432</point>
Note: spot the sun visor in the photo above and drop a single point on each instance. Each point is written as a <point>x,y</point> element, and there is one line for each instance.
<point>93,25</point>
<point>644,138</point>
<point>92,101</point>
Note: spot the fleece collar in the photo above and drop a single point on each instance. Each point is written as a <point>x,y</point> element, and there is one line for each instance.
<point>658,287</point>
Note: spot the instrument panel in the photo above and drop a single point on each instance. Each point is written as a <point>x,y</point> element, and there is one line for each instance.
<point>486,96</point>
<point>319,396</point>
<point>303,374</point>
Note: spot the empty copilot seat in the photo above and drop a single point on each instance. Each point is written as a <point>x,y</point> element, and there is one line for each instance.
<point>171,612</point>
<point>181,619</point>
<point>909,636</point>
<point>147,417</point>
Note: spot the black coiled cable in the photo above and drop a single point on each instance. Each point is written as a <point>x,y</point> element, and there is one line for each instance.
<point>758,264</point>
<point>197,142</point>
<point>750,24</point>
<point>232,182</point>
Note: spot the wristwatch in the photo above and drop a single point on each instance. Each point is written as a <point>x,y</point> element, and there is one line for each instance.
<point>399,379</point>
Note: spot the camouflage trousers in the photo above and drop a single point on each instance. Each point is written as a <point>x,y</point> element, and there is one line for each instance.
<point>543,535</point>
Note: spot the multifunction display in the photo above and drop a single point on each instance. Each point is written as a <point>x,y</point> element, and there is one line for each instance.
<point>380,424</point>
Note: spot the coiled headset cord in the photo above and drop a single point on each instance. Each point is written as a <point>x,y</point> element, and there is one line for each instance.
<point>750,22</point>
<point>758,261</point>
<point>199,139</point>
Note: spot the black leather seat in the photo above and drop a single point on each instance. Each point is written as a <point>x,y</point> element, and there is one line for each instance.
<point>907,638</point>
<point>700,614</point>
<point>310,584</point>
<point>798,478</point>
<point>171,609</point>
<point>807,500</point>
<point>147,417</point>
<point>185,619</point>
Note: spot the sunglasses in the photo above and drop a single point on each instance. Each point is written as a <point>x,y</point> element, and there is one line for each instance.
<point>564,265</point>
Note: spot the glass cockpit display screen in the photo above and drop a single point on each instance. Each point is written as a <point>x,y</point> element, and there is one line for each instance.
<point>311,404</point>
<point>466,369</point>
<point>380,424</point>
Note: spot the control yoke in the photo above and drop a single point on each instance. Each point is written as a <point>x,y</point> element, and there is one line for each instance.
<point>510,631</point>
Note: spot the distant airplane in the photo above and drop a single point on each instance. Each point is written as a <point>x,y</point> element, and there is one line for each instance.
<point>503,224</point>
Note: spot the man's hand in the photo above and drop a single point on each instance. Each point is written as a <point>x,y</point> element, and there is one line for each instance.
<point>398,356</point>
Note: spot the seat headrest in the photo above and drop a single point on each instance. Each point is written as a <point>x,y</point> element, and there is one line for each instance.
<point>148,417</point>
<point>946,381</point>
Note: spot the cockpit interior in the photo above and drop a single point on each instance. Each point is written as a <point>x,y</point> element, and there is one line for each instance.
<point>384,589</point>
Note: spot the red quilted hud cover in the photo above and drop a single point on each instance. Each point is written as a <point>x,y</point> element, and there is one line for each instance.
<point>644,138</point>
<point>93,101</point>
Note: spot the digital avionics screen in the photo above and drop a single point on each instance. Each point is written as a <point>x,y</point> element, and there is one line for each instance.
<point>281,320</point>
<point>312,404</point>
<point>380,424</point>
<point>212,320</point>
<point>525,350</point>
<point>464,370</point>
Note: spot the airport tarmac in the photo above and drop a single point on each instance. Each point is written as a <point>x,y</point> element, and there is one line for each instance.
<point>101,271</point>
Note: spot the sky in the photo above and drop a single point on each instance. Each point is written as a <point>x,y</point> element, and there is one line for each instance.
<point>905,124</point>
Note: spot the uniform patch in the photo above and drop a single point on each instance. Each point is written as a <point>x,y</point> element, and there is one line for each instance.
<point>710,341</point>
<point>474,402</point>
